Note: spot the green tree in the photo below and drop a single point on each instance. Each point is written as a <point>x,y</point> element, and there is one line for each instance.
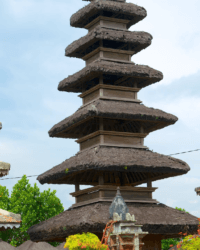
<point>33,206</point>
<point>165,244</point>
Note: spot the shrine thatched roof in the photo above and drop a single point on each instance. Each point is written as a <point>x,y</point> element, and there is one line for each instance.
<point>112,38</point>
<point>30,245</point>
<point>6,246</point>
<point>129,112</point>
<point>88,164</point>
<point>4,168</point>
<point>113,9</point>
<point>126,74</point>
<point>9,220</point>
<point>155,218</point>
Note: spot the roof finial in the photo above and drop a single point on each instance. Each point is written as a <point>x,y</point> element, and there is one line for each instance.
<point>118,191</point>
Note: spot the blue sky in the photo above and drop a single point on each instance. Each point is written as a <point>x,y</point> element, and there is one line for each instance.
<point>34,35</point>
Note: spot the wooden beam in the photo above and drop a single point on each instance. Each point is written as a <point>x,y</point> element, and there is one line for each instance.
<point>137,177</point>
<point>101,124</point>
<point>121,179</point>
<point>149,182</point>
<point>83,176</point>
<point>111,177</point>
<point>127,179</point>
<point>122,79</point>
<point>130,177</point>
<point>101,180</point>
<point>77,187</point>
<point>133,177</point>
<point>91,173</point>
<point>106,177</point>
<point>141,177</point>
<point>117,180</point>
<point>94,177</point>
<point>101,79</point>
<point>141,129</point>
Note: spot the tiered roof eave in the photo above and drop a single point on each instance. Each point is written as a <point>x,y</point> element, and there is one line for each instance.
<point>114,9</point>
<point>108,160</point>
<point>127,74</point>
<point>135,41</point>
<point>152,119</point>
<point>156,219</point>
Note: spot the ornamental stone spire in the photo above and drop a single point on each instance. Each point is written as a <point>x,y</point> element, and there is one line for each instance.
<point>118,206</point>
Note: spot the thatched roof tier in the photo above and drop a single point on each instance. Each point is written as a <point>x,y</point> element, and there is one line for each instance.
<point>128,113</point>
<point>113,9</point>
<point>112,38</point>
<point>197,190</point>
<point>87,165</point>
<point>4,168</point>
<point>6,246</point>
<point>155,218</point>
<point>114,73</point>
<point>30,245</point>
<point>9,220</point>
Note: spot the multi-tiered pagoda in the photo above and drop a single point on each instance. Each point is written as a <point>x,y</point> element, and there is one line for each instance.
<point>110,128</point>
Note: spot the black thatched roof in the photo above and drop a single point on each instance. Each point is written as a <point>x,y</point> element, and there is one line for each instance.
<point>151,119</point>
<point>112,72</point>
<point>87,165</point>
<point>30,245</point>
<point>112,38</point>
<point>6,246</point>
<point>155,218</point>
<point>126,11</point>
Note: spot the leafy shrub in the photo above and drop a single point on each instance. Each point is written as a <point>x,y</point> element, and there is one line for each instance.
<point>86,241</point>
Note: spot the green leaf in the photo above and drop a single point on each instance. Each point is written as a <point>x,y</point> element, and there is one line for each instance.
<point>33,206</point>
<point>125,167</point>
<point>66,170</point>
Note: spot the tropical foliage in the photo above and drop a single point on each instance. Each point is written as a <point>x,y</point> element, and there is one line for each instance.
<point>86,241</point>
<point>33,205</point>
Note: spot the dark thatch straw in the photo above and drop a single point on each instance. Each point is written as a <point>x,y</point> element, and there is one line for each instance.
<point>155,218</point>
<point>153,119</point>
<point>89,76</point>
<point>137,41</point>
<point>113,159</point>
<point>126,11</point>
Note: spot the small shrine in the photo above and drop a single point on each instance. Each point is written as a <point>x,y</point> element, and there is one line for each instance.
<point>110,128</point>
<point>8,220</point>
<point>125,235</point>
